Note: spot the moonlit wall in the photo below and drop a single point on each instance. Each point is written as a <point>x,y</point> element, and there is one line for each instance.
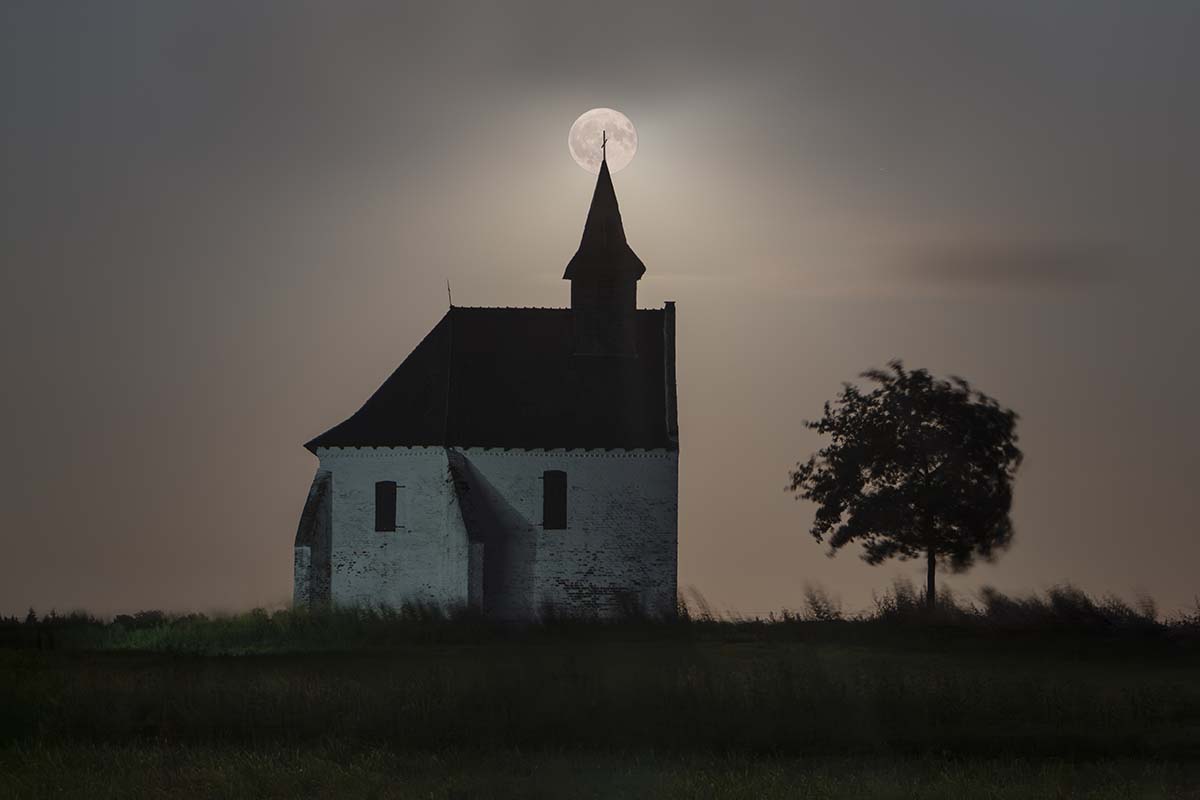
<point>222,226</point>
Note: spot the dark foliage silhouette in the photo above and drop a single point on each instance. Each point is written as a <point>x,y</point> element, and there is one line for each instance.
<point>916,467</point>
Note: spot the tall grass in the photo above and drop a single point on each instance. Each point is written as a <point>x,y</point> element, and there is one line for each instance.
<point>1062,610</point>
<point>753,695</point>
<point>1060,673</point>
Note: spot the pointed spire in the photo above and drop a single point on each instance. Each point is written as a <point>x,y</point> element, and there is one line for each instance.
<point>603,252</point>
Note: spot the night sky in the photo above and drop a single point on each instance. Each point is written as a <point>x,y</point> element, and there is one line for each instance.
<point>222,225</point>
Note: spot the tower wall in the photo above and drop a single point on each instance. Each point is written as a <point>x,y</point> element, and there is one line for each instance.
<point>604,315</point>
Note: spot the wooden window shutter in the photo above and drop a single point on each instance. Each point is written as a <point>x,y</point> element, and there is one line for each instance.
<point>385,506</point>
<point>554,500</point>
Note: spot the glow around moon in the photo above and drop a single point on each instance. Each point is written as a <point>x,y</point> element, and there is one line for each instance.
<point>584,139</point>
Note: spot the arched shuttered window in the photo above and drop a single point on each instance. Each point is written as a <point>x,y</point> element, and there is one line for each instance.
<point>554,500</point>
<point>385,506</point>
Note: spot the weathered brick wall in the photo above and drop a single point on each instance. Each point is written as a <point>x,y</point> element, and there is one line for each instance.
<point>313,537</point>
<point>425,558</point>
<point>620,544</point>
<point>302,577</point>
<point>619,548</point>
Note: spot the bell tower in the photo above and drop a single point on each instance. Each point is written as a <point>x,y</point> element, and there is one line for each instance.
<point>604,273</point>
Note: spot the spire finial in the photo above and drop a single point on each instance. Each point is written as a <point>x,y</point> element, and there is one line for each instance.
<point>603,145</point>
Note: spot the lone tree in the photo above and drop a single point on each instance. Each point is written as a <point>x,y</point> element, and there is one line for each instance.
<point>916,467</point>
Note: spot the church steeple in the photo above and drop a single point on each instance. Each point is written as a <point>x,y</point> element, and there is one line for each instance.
<point>604,273</point>
<point>603,251</point>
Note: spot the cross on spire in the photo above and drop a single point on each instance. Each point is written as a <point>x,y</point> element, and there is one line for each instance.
<point>603,145</point>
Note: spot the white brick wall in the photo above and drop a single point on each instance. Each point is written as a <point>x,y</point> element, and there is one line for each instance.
<point>621,536</point>
<point>302,562</point>
<point>622,524</point>
<point>425,558</point>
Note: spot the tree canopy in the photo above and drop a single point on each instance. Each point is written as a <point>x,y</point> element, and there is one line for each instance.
<point>917,466</point>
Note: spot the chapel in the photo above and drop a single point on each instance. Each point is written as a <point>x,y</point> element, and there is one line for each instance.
<point>523,462</point>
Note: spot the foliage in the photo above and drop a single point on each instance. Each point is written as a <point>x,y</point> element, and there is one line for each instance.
<point>819,606</point>
<point>915,467</point>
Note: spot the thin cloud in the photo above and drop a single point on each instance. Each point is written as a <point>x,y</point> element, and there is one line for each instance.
<point>1014,265</point>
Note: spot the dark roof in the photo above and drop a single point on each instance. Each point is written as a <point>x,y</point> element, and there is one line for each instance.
<point>603,252</point>
<point>507,377</point>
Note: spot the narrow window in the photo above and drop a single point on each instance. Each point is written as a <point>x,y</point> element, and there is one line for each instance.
<point>385,506</point>
<point>554,500</point>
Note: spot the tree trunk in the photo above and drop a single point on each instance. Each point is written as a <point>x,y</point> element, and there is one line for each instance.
<point>930,593</point>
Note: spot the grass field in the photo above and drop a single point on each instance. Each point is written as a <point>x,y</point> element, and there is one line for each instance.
<point>796,698</point>
<point>161,771</point>
<point>414,705</point>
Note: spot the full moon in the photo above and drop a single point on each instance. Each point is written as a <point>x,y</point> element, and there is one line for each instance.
<point>584,139</point>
